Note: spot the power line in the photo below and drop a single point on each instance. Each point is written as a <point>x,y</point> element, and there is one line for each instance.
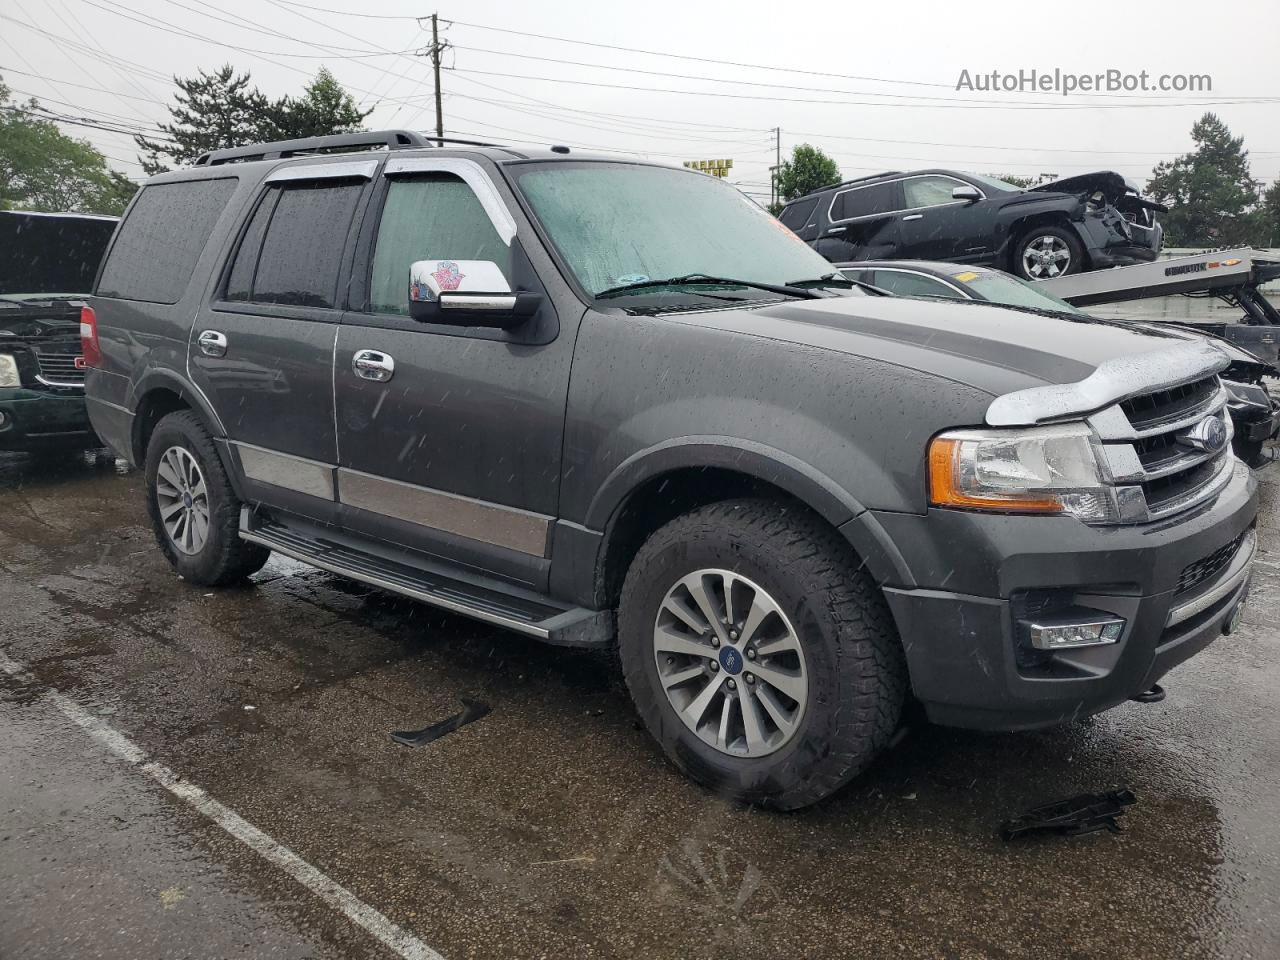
<point>862,103</point>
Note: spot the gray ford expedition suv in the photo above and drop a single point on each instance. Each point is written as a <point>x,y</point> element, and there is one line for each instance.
<point>602,402</point>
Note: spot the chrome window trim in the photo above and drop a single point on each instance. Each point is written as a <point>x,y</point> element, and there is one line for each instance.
<point>1114,380</point>
<point>364,169</point>
<point>470,173</point>
<point>917,273</point>
<point>891,213</point>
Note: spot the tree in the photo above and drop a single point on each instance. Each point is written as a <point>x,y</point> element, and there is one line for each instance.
<point>809,169</point>
<point>1026,183</point>
<point>1209,191</point>
<point>1267,230</point>
<point>325,107</point>
<point>41,168</point>
<point>214,110</point>
<point>221,109</point>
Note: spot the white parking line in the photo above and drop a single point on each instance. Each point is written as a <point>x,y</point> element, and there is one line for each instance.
<point>118,745</point>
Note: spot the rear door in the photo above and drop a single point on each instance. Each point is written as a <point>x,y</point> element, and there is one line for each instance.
<point>262,350</point>
<point>454,448</point>
<point>863,217</point>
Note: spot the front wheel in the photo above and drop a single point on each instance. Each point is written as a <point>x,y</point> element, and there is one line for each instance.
<point>1046,252</point>
<point>759,655</point>
<point>194,510</point>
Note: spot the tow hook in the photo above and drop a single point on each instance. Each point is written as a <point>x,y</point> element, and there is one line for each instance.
<point>1154,695</point>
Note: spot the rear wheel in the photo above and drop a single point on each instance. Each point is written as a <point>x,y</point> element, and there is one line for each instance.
<point>1046,252</point>
<point>194,510</point>
<point>758,654</point>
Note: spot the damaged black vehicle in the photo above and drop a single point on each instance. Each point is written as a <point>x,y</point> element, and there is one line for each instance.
<point>1087,222</point>
<point>47,261</point>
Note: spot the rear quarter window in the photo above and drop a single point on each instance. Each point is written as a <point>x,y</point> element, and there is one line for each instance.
<point>155,252</point>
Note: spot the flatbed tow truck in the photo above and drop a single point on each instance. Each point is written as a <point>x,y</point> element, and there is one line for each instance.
<point>1235,277</point>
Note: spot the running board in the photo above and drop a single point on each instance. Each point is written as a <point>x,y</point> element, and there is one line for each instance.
<point>530,614</point>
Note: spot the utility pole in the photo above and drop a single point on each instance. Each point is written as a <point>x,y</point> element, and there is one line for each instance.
<point>776,170</point>
<point>437,48</point>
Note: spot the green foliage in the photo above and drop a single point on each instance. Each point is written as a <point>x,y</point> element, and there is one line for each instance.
<point>1209,191</point>
<point>325,107</point>
<point>1026,183</point>
<point>41,168</point>
<point>809,169</point>
<point>221,109</point>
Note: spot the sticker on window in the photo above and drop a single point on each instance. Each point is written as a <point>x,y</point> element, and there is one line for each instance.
<point>967,277</point>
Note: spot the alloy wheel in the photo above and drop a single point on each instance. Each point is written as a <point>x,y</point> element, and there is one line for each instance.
<point>1046,256</point>
<point>183,498</point>
<point>730,663</point>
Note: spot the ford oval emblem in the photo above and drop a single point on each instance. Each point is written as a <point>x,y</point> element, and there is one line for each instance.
<point>1209,435</point>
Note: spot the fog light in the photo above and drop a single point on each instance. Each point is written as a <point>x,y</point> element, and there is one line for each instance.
<point>1067,634</point>
<point>4,420</point>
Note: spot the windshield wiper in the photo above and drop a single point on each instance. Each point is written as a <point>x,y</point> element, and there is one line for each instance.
<point>826,281</point>
<point>697,279</point>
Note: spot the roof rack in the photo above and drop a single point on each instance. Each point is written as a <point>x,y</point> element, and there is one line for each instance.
<point>335,143</point>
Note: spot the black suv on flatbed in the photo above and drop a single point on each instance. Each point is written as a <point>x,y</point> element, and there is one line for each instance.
<point>1080,223</point>
<point>603,402</point>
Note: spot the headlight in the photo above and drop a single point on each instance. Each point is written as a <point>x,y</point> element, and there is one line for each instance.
<point>1035,470</point>
<point>9,371</point>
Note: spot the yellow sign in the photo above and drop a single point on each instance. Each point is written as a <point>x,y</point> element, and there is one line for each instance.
<point>717,168</point>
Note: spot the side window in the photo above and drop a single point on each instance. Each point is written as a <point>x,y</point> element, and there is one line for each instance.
<point>796,215</point>
<point>928,191</point>
<point>161,239</point>
<point>866,201</point>
<point>291,253</point>
<point>425,217</point>
<point>912,285</point>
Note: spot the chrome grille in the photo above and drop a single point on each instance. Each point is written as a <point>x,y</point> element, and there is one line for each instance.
<point>57,365</point>
<point>1153,452</point>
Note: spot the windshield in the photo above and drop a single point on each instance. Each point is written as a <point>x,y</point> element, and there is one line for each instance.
<point>617,224</point>
<point>1002,288</point>
<point>995,182</point>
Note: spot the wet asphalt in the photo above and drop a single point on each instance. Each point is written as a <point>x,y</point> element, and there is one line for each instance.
<point>553,827</point>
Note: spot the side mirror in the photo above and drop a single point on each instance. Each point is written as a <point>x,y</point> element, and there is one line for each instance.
<point>966,193</point>
<point>469,293</point>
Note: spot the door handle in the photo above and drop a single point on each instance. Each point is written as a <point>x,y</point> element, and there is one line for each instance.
<point>373,365</point>
<point>212,343</point>
<point>914,216</point>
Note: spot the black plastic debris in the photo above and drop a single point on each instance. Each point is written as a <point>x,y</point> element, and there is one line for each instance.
<point>472,710</point>
<point>1072,817</point>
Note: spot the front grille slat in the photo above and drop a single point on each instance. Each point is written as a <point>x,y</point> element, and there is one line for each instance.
<point>1159,452</point>
<point>57,365</point>
<point>1207,568</point>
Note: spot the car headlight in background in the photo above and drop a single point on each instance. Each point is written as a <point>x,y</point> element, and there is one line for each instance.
<point>1047,470</point>
<point>9,371</point>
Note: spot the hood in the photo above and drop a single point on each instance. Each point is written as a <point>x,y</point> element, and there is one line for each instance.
<point>985,346</point>
<point>1110,184</point>
<point>51,252</point>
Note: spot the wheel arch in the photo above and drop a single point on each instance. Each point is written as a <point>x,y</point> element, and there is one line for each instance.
<point>1021,226</point>
<point>655,486</point>
<point>162,392</point>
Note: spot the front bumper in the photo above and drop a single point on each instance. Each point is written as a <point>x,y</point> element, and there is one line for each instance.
<point>1112,241</point>
<point>32,419</point>
<point>977,575</point>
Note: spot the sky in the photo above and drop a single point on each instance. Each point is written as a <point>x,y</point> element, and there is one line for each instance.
<point>872,84</point>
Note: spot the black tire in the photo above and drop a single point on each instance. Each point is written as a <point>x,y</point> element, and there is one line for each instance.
<point>1033,235</point>
<point>857,678</point>
<point>224,558</point>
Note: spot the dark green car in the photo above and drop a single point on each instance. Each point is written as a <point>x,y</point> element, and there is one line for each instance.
<point>46,259</point>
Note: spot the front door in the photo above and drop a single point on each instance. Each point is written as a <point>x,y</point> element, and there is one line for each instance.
<point>935,226</point>
<point>449,441</point>
<point>262,350</point>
